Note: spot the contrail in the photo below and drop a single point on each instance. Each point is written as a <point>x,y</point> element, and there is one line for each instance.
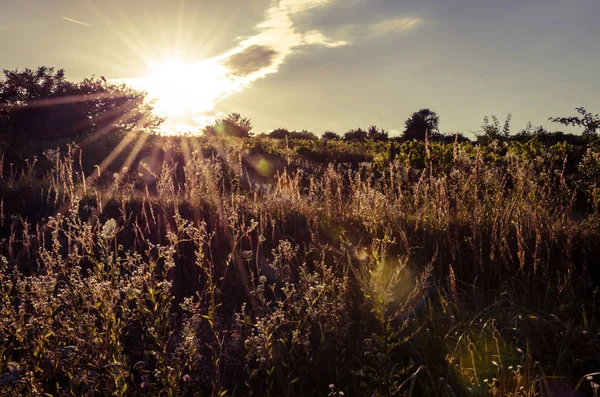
<point>79,22</point>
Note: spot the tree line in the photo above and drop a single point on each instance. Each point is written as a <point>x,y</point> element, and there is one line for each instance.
<point>42,104</point>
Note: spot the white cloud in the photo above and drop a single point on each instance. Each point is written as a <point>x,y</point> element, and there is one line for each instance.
<point>394,25</point>
<point>252,59</point>
<point>190,93</point>
<point>384,27</point>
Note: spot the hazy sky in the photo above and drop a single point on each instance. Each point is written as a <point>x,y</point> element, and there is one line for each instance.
<point>327,64</point>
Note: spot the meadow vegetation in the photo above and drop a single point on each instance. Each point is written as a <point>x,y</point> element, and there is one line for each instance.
<point>260,266</point>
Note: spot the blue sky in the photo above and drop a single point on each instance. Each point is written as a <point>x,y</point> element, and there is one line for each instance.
<point>328,64</point>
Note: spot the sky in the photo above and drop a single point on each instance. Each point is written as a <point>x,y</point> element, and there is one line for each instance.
<point>323,64</point>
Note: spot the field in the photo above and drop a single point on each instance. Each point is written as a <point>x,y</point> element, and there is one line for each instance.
<point>285,267</point>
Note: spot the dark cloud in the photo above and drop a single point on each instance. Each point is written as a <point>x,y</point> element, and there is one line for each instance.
<point>251,59</point>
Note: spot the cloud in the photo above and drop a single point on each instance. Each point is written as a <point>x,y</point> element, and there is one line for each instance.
<point>276,37</point>
<point>250,59</point>
<point>394,25</point>
<point>255,57</point>
<point>356,33</point>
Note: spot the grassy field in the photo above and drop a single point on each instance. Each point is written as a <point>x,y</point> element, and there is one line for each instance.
<point>261,267</point>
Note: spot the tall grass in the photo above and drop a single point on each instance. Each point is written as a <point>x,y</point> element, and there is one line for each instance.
<point>249,267</point>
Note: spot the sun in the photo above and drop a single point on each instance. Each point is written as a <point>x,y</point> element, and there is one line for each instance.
<point>178,87</point>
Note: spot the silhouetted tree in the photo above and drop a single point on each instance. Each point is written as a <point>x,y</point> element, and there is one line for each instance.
<point>377,135</point>
<point>42,104</point>
<point>282,133</point>
<point>449,138</point>
<point>356,135</point>
<point>279,133</point>
<point>234,126</point>
<point>546,137</point>
<point>590,122</point>
<point>419,122</point>
<point>330,136</point>
<point>304,134</point>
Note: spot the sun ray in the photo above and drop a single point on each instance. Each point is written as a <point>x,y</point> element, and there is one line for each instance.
<point>110,158</point>
<point>107,129</point>
<point>130,157</point>
<point>139,145</point>
<point>186,150</point>
<point>66,100</point>
<point>134,42</point>
<point>117,150</point>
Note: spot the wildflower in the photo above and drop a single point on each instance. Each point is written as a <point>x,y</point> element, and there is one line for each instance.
<point>109,229</point>
<point>186,378</point>
<point>262,279</point>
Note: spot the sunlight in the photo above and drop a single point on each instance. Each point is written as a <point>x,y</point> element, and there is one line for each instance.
<point>178,87</point>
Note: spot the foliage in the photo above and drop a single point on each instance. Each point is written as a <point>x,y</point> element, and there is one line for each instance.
<point>376,134</point>
<point>233,126</point>
<point>419,123</point>
<point>281,133</point>
<point>266,267</point>
<point>590,122</point>
<point>43,105</point>
<point>358,135</point>
<point>330,135</point>
<point>493,131</point>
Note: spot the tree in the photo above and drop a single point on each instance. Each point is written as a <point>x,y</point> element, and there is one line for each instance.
<point>330,136</point>
<point>279,133</point>
<point>377,135</point>
<point>420,122</point>
<point>234,125</point>
<point>43,104</point>
<point>356,135</point>
<point>304,134</point>
<point>546,137</point>
<point>590,122</point>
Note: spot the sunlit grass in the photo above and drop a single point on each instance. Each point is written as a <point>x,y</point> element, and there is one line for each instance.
<point>246,266</point>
